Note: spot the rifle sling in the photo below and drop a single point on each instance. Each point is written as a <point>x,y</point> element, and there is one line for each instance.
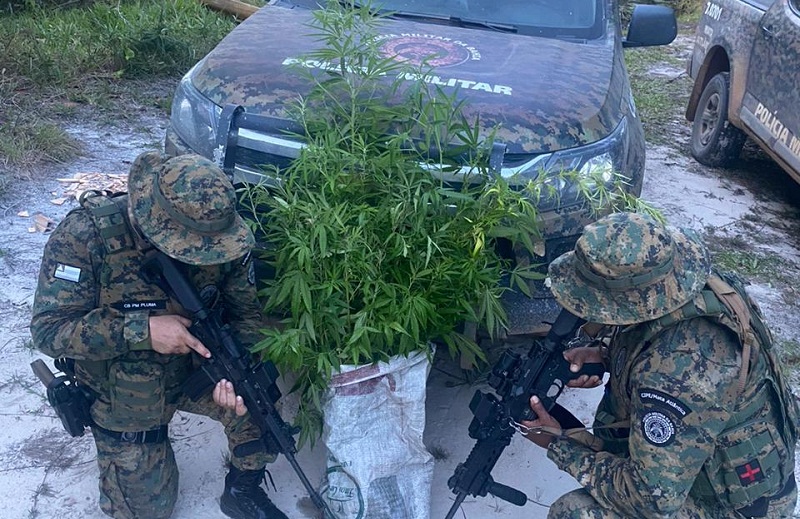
<point>580,435</point>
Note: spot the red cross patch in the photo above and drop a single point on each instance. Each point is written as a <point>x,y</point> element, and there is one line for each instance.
<point>750,473</point>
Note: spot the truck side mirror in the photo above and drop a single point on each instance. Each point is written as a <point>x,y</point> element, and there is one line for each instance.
<point>651,25</point>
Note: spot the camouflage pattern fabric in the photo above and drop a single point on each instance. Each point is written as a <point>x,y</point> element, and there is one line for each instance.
<point>186,207</point>
<point>136,481</point>
<point>679,396</point>
<point>579,504</point>
<point>626,268</point>
<point>92,304</point>
<point>141,481</point>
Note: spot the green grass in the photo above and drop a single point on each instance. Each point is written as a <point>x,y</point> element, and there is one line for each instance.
<point>788,353</point>
<point>750,263</point>
<point>125,39</point>
<point>660,99</point>
<point>738,255</point>
<point>683,8</point>
<point>57,58</point>
<point>25,142</point>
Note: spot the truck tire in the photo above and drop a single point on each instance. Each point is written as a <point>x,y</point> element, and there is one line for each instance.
<point>715,141</point>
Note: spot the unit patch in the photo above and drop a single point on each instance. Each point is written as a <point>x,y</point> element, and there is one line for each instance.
<point>67,273</point>
<point>658,428</point>
<point>661,400</point>
<point>750,473</point>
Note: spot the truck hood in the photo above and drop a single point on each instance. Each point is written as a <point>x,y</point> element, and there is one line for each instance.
<point>518,83</point>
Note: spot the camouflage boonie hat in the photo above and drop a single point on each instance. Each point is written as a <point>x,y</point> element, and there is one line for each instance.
<point>627,268</point>
<point>186,207</point>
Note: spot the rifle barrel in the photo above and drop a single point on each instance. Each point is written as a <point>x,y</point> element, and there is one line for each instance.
<point>312,492</point>
<point>453,509</point>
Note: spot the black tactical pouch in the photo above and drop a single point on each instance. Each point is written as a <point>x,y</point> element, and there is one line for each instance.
<point>70,401</point>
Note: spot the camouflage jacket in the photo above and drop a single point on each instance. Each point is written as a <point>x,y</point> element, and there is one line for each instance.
<point>688,425</point>
<point>93,303</point>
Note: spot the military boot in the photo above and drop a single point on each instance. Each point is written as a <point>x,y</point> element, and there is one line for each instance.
<point>244,498</point>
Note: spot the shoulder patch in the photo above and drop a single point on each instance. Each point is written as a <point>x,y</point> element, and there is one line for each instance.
<point>67,273</point>
<point>661,400</point>
<point>658,428</point>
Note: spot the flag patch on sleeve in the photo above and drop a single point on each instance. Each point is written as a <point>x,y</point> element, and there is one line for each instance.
<point>67,273</point>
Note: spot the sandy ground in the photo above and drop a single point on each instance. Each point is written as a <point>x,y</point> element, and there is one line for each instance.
<point>46,474</point>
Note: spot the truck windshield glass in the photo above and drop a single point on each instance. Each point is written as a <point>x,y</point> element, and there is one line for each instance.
<point>572,19</point>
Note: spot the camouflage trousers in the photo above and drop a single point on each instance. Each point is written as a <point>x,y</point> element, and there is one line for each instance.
<point>578,504</point>
<point>140,481</point>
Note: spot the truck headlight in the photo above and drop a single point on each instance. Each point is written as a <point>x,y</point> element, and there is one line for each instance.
<point>194,117</point>
<point>601,161</point>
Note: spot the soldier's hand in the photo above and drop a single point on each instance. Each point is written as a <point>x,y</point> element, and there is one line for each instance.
<point>225,396</point>
<point>544,428</point>
<point>169,334</point>
<point>577,357</point>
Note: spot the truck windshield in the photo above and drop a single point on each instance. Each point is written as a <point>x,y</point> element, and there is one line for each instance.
<point>573,19</point>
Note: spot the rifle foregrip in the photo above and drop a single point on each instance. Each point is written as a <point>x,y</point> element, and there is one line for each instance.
<point>506,493</point>
<point>201,382</point>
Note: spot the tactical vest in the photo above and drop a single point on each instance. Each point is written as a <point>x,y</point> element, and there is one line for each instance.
<point>749,433</point>
<point>135,388</point>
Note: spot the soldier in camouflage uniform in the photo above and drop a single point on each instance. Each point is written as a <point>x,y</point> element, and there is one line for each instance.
<point>696,420</point>
<point>129,339</point>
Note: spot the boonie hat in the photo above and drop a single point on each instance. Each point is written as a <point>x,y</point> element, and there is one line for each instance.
<point>628,268</point>
<point>186,207</point>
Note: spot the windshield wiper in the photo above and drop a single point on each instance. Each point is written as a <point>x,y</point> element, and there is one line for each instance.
<point>455,21</point>
<point>500,27</point>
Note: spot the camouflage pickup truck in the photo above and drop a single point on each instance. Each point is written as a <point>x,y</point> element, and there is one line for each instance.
<point>548,74</point>
<point>746,71</point>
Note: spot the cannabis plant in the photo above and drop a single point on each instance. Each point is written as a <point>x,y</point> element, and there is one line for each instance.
<point>377,250</point>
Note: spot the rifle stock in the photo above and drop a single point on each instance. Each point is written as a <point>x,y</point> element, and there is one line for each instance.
<point>255,382</point>
<point>544,373</point>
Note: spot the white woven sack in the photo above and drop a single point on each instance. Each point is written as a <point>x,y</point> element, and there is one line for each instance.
<point>374,418</point>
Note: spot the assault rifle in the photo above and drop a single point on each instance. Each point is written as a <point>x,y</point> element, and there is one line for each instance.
<point>544,373</point>
<point>254,380</point>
